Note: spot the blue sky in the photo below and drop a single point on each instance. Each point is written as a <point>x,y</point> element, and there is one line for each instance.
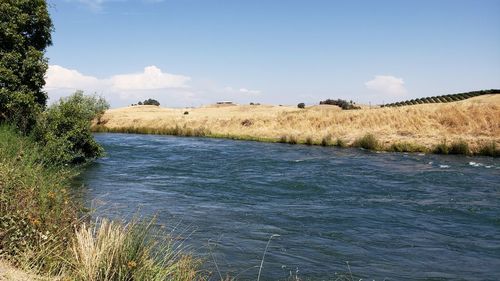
<point>193,52</point>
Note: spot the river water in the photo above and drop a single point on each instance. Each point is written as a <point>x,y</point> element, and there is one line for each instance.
<point>332,211</point>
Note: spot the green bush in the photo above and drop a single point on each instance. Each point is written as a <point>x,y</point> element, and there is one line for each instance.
<point>459,147</point>
<point>489,149</point>
<point>441,148</point>
<point>406,147</point>
<point>326,140</point>
<point>64,129</point>
<point>368,141</point>
<point>341,143</point>
<point>36,209</point>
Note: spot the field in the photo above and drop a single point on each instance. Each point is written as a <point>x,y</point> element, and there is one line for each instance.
<point>423,127</point>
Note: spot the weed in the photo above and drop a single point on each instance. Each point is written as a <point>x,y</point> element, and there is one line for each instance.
<point>368,141</point>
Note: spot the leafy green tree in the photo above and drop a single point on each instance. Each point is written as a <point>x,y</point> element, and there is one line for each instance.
<point>64,129</point>
<point>25,33</point>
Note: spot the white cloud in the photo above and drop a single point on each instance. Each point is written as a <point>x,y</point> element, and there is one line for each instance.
<point>250,92</point>
<point>151,79</point>
<point>152,82</point>
<point>244,91</point>
<point>58,77</point>
<point>387,85</point>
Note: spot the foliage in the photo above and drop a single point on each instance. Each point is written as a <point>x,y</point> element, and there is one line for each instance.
<point>346,105</point>
<point>443,98</point>
<point>25,33</point>
<point>64,128</point>
<point>35,206</point>
<point>459,147</point>
<point>368,141</point>
<point>489,149</point>
<point>441,148</point>
<point>301,105</point>
<point>151,102</point>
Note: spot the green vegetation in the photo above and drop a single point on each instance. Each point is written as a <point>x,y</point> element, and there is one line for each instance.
<point>173,131</point>
<point>301,105</point>
<point>489,149</point>
<point>456,147</point>
<point>41,231</point>
<point>443,98</point>
<point>345,105</point>
<point>407,147</point>
<point>22,64</point>
<point>64,129</point>
<point>36,211</point>
<point>459,147</point>
<point>441,148</point>
<point>368,141</point>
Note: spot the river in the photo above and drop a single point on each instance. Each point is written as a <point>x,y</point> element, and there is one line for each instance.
<point>331,210</point>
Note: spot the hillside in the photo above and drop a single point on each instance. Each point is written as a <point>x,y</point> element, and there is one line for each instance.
<point>475,120</point>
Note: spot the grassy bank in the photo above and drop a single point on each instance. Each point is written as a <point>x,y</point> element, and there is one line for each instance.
<point>472,124</point>
<point>42,229</point>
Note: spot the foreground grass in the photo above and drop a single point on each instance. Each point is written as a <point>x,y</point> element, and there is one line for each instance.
<point>418,128</point>
<point>42,229</point>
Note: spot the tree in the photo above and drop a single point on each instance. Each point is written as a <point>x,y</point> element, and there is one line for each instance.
<point>25,33</point>
<point>301,105</point>
<point>151,102</point>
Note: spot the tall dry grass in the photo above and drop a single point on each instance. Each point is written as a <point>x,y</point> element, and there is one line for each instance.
<point>475,121</point>
<point>108,251</point>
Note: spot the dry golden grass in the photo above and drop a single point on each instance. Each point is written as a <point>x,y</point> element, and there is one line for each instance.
<point>10,273</point>
<point>475,121</point>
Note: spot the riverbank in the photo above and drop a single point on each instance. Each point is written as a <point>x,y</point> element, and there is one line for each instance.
<point>44,230</point>
<point>468,126</point>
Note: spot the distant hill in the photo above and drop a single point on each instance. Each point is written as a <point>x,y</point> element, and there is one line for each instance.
<point>443,98</point>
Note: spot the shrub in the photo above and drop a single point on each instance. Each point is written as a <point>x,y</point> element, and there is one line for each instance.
<point>489,149</point>
<point>186,112</point>
<point>309,140</point>
<point>368,141</point>
<point>441,148</point>
<point>64,129</point>
<point>341,143</point>
<point>301,105</point>
<point>459,147</point>
<point>326,140</point>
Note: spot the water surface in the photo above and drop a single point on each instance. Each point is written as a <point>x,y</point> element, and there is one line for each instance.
<point>390,215</point>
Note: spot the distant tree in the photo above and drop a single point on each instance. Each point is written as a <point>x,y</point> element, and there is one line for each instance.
<point>139,103</point>
<point>340,103</point>
<point>151,102</point>
<point>25,33</point>
<point>301,105</point>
